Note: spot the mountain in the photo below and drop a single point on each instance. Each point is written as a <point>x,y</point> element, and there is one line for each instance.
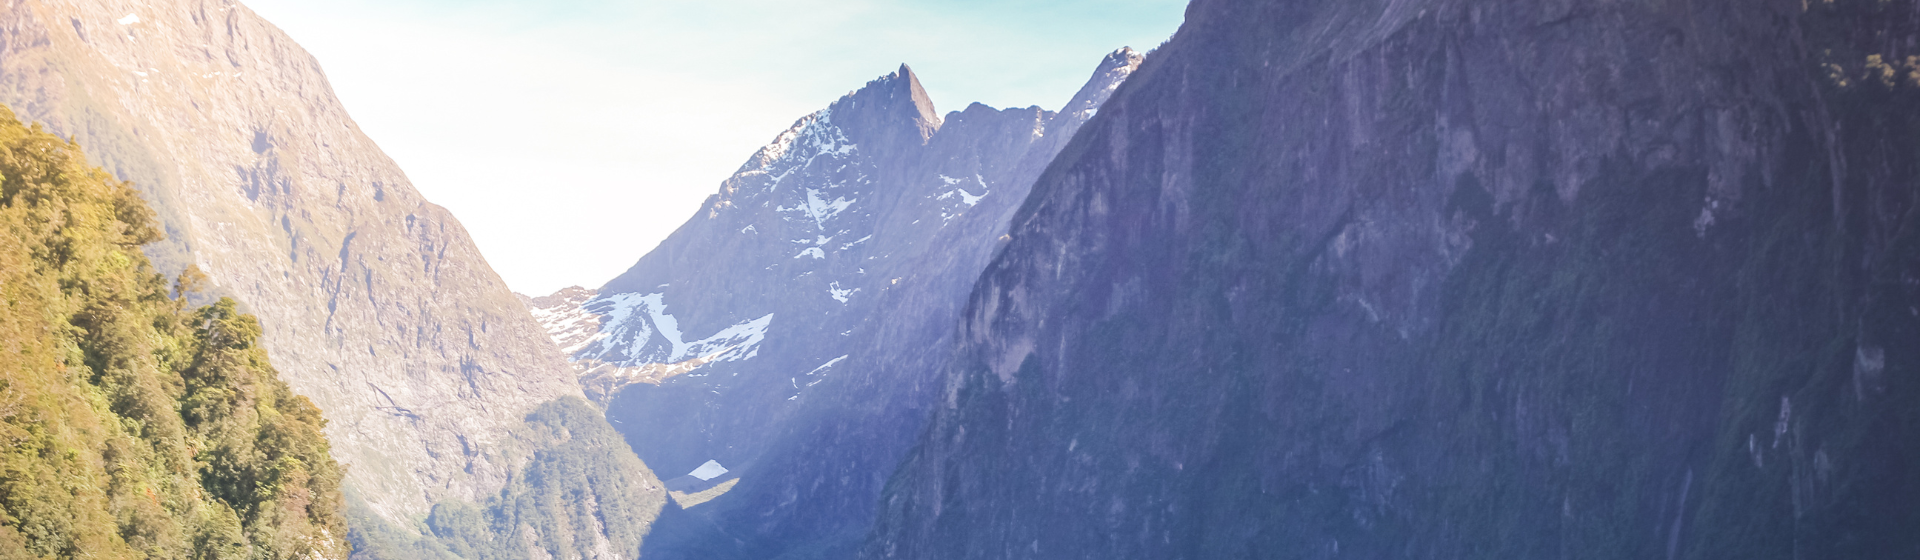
<point>777,334</point>
<point>1455,279</point>
<point>137,425</point>
<point>375,303</point>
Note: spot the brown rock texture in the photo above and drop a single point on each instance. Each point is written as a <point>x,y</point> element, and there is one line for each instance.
<point>377,304</point>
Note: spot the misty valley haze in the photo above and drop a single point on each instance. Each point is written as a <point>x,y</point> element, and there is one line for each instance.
<point>1312,279</point>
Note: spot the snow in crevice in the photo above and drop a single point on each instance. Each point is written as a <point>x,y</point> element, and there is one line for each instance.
<point>738,342</point>
<point>821,210</point>
<point>968,198</point>
<point>566,326</point>
<point>633,320</point>
<point>809,173</point>
<point>819,375</point>
<point>965,198</point>
<point>829,364</point>
<point>839,293</point>
<point>813,137</point>
<point>814,252</point>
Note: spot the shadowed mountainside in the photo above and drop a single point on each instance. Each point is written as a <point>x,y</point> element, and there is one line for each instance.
<point>1456,279</point>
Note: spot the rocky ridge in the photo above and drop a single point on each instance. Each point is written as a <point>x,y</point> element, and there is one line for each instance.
<point>837,255</point>
<point>375,302</point>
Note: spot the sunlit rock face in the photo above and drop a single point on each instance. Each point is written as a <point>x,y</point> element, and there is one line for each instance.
<point>1455,279</point>
<point>787,330</point>
<point>375,302</point>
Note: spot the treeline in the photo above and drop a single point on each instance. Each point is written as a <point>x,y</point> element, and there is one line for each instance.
<point>133,425</point>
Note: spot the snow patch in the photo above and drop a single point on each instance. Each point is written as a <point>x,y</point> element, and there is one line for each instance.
<point>708,471</point>
<point>814,252</point>
<point>816,372</point>
<point>571,326</point>
<point>967,199</point>
<point>823,367</point>
<point>633,319</point>
<point>129,20</point>
<point>840,294</point>
<point>738,342</point>
<point>813,137</point>
<point>970,199</point>
<point>822,210</point>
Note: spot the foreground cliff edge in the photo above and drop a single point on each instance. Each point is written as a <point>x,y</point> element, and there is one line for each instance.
<point>133,425</point>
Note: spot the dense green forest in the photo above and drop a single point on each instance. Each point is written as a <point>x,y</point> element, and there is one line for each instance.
<point>135,425</point>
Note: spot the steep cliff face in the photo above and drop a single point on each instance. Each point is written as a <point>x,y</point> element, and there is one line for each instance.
<point>136,426</point>
<point>777,333</point>
<point>375,302</point>
<point>1455,279</point>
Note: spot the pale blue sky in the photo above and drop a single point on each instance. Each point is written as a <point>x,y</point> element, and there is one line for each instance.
<point>572,136</point>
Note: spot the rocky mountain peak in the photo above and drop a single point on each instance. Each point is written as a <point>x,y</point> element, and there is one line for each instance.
<point>819,281</point>
<point>1106,78</point>
<point>890,110</point>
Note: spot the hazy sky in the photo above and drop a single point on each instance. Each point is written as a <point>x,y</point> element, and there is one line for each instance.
<point>570,137</point>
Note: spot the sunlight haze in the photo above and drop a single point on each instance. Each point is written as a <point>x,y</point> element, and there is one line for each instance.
<point>570,138</point>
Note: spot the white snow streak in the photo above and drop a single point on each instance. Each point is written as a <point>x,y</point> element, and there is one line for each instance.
<point>634,319</point>
<point>840,294</point>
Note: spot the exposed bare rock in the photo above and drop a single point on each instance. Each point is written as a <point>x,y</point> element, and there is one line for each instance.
<point>563,318</point>
<point>1451,279</point>
<point>787,328</point>
<point>376,303</point>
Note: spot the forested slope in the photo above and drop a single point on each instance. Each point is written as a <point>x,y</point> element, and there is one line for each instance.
<point>131,425</point>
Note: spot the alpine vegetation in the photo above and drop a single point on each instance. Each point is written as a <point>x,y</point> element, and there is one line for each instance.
<point>136,424</point>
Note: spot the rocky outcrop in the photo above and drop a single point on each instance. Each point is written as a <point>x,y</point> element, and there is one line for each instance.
<point>1455,279</point>
<point>777,332</point>
<point>564,318</point>
<point>375,302</point>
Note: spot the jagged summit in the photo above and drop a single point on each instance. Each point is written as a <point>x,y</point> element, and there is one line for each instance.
<point>1112,71</point>
<point>888,110</point>
<point>802,301</point>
